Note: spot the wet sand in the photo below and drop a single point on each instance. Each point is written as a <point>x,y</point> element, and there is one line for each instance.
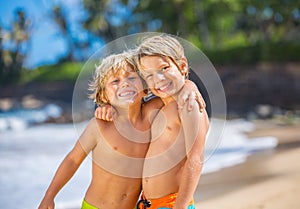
<point>267,180</point>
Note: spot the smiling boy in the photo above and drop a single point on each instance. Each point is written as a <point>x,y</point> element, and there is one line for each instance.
<point>174,159</point>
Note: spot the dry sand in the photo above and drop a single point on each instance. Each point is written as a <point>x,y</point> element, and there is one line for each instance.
<point>267,180</point>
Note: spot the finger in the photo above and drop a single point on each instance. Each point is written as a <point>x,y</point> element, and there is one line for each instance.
<point>204,104</point>
<point>191,101</point>
<point>182,99</point>
<point>201,106</point>
<point>103,114</point>
<point>200,101</point>
<point>109,115</point>
<point>97,113</point>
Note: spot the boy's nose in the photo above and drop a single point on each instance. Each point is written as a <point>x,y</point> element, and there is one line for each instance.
<point>124,84</point>
<point>159,77</point>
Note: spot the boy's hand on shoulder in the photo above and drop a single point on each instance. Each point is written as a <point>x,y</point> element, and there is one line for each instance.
<point>104,112</point>
<point>189,94</point>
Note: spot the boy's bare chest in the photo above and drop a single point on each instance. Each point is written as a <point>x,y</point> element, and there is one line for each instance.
<point>165,131</point>
<point>125,140</point>
<point>116,153</point>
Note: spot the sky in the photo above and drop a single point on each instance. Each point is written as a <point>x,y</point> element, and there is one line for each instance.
<point>47,45</point>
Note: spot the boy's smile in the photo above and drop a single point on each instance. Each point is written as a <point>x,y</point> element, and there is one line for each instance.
<point>162,75</point>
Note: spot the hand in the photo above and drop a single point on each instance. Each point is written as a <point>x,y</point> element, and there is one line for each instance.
<point>104,112</point>
<point>47,204</point>
<point>189,94</point>
<point>177,206</point>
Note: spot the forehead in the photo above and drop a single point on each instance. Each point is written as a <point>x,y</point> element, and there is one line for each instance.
<point>154,62</point>
<point>121,71</point>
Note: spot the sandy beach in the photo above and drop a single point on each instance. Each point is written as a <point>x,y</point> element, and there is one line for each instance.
<point>267,180</point>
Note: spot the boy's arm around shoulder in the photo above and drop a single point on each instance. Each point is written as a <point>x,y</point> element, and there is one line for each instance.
<point>195,125</point>
<point>69,165</point>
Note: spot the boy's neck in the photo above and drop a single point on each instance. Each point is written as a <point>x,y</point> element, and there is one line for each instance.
<point>131,114</point>
<point>171,98</point>
<point>130,124</point>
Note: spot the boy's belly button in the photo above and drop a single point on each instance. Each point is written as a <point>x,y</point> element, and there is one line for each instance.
<point>124,196</point>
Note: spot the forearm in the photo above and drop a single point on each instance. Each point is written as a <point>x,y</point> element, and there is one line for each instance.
<point>195,128</point>
<point>63,174</point>
<point>189,181</point>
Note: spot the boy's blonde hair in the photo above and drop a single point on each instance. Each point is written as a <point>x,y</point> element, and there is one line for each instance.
<point>110,65</point>
<point>160,45</point>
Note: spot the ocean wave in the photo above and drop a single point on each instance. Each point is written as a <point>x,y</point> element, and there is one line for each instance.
<point>30,157</point>
<point>20,119</point>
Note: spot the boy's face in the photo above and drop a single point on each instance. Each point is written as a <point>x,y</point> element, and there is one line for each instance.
<point>163,76</point>
<point>124,88</point>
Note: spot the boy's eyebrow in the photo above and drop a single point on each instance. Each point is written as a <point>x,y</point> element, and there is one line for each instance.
<point>154,69</point>
<point>149,71</point>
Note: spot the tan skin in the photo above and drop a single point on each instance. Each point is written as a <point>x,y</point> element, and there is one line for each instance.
<point>114,191</point>
<point>187,130</point>
<point>108,190</point>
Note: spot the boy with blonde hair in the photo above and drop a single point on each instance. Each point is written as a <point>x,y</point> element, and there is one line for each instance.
<point>174,160</point>
<point>118,148</point>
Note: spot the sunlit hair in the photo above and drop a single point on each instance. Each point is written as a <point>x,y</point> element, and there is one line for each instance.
<point>162,45</point>
<point>110,66</point>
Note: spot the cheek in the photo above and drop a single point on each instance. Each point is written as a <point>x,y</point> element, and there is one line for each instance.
<point>177,77</point>
<point>139,85</point>
<point>109,91</point>
<point>149,83</point>
<point>161,76</point>
<point>174,72</point>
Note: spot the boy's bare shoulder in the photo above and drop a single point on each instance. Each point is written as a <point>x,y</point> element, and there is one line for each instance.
<point>95,128</point>
<point>151,108</point>
<point>95,125</point>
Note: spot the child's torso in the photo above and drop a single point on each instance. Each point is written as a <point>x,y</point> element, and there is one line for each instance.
<point>166,154</point>
<point>118,160</point>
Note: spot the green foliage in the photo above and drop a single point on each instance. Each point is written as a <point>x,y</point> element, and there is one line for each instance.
<point>260,52</point>
<point>11,60</point>
<point>60,72</point>
<point>228,31</point>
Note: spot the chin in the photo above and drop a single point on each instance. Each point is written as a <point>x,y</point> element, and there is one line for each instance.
<point>166,94</point>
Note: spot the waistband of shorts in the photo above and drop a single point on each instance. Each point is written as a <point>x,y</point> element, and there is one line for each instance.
<point>167,201</point>
<point>86,205</point>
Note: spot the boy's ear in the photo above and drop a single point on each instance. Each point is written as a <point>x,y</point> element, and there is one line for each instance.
<point>184,66</point>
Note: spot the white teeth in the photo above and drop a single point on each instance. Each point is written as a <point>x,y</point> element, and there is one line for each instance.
<point>128,93</point>
<point>164,87</point>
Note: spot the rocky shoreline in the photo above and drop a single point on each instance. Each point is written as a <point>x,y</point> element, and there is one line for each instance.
<point>37,95</point>
<point>262,90</point>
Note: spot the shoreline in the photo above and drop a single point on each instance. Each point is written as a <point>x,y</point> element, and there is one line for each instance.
<point>268,179</point>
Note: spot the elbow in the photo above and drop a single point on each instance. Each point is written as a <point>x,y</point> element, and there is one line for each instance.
<point>72,160</point>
